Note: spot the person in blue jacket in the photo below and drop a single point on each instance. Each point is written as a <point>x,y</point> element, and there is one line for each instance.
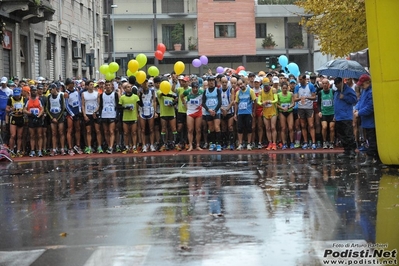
<point>365,110</point>
<point>344,100</point>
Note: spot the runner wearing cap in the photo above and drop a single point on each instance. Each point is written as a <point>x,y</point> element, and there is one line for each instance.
<point>285,105</point>
<point>257,120</point>
<point>268,99</point>
<point>15,107</point>
<point>227,114</point>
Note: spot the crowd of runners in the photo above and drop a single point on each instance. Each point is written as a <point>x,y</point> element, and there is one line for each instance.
<point>225,111</point>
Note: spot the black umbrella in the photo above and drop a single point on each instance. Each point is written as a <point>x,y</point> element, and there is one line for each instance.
<point>342,68</point>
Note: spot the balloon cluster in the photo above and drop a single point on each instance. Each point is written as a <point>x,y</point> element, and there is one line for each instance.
<point>159,53</point>
<point>289,68</point>
<point>139,62</point>
<point>109,71</point>
<point>203,60</point>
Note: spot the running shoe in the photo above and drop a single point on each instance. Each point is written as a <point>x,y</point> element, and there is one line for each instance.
<point>163,148</point>
<point>39,153</point>
<point>100,149</point>
<point>118,148</point>
<point>71,152</point>
<point>240,148</point>
<point>292,146</point>
<point>363,148</point>
<point>331,146</point>
<point>305,146</point>
<point>78,149</point>
<point>212,147</point>
<point>260,146</point>
<point>125,150</point>
<point>269,146</point>
<point>249,147</point>
<point>53,152</point>
<point>314,146</point>
<point>152,148</point>
<point>144,150</point>
<point>280,145</point>
<point>284,146</point>
<point>218,147</point>
<point>88,150</point>
<point>205,146</point>
<point>274,146</point>
<point>109,150</point>
<point>297,145</point>
<point>13,154</point>
<point>62,152</point>
<point>135,151</point>
<point>325,145</point>
<point>32,154</point>
<point>232,147</point>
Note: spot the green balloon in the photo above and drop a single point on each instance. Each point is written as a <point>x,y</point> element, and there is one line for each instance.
<point>109,76</point>
<point>104,69</point>
<point>141,59</point>
<point>153,71</point>
<point>113,67</point>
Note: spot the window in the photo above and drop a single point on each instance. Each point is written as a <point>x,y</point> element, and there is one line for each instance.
<point>225,30</point>
<point>260,30</point>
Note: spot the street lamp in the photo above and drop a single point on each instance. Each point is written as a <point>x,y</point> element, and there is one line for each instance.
<point>113,31</point>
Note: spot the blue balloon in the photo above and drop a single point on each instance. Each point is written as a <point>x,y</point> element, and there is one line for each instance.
<point>293,69</point>
<point>283,60</point>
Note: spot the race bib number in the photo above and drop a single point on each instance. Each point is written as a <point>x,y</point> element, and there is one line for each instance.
<point>242,105</point>
<point>285,105</point>
<point>90,108</point>
<point>18,106</point>
<point>194,102</point>
<point>130,106</point>
<point>147,110</point>
<point>211,102</point>
<point>109,109</point>
<point>167,102</point>
<point>34,111</point>
<point>225,102</point>
<point>55,110</point>
<point>326,103</point>
<point>75,104</point>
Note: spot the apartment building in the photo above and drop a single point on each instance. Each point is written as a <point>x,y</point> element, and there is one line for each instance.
<point>54,39</point>
<point>229,32</point>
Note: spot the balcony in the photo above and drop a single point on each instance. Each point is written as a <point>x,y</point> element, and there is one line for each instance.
<point>33,11</point>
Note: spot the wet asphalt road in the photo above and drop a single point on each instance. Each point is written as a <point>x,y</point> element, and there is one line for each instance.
<point>248,209</point>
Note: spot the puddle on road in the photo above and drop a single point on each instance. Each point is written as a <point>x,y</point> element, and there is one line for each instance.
<point>283,208</point>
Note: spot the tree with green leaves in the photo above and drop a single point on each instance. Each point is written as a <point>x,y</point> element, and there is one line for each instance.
<point>338,25</point>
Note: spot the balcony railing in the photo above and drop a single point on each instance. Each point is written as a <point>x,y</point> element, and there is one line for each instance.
<point>276,2</point>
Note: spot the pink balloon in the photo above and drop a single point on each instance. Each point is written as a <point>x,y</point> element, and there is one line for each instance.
<point>219,69</point>
<point>204,59</point>
<point>197,63</point>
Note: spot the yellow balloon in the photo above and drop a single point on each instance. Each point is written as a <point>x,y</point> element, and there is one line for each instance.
<point>165,87</point>
<point>142,59</point>
<point>141,76</point>
<point>179,67</point>
<point>133,65</point>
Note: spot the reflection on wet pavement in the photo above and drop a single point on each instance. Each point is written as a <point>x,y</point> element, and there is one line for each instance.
<point>273,209</point>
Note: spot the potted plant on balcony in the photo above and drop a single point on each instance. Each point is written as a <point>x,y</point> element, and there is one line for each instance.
<point>268,42</point>
<point>296,42</point>
<point>177,36</point>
